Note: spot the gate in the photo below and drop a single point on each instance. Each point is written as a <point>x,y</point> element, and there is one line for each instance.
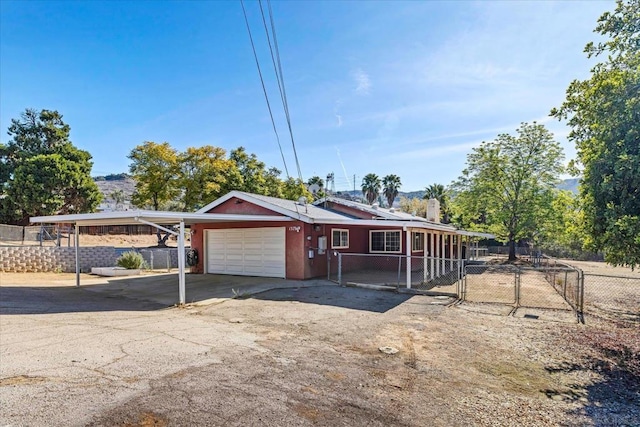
<point>559,288</point>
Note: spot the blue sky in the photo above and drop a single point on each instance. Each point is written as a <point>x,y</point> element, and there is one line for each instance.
<point>386,87</point>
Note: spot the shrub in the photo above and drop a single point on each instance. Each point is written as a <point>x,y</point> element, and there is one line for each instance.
<point>131,260</point>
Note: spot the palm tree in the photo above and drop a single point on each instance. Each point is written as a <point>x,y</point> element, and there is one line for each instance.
<point>391,184</point>
<point>371,187</point>
<point>440,193</point>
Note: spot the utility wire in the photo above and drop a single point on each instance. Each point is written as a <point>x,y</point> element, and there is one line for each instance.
<point>280,76</point>
<point>264,90</point>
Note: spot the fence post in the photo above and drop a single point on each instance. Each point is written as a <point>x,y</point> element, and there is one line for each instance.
<point>580,292</point>
<point>564,285</point>
<point>168,252</point>
<point>340,268</point>
<point>517,280</point>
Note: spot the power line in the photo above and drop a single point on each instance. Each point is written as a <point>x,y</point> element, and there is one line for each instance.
<point>264,90</point>
<point>280,76</point>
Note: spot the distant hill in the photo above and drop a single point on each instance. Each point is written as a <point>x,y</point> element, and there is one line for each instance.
<point>570,184</point>
<point>112,183</point>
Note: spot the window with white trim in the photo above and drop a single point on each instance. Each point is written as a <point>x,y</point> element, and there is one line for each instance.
<point>339,238</point>
<point>385,241</point>
<point>417,242</point>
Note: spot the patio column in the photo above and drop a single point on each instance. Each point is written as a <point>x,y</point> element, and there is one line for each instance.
<point>451,252</point>
<point>425,254</point>
<point>432,253</point>
<point>437,255</point>
<point>460,266</point>
<point>76,242</point>
<point>408,250</point>
<point>444,253</point>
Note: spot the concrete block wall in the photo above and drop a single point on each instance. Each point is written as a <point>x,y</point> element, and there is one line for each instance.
<point>55,259</point>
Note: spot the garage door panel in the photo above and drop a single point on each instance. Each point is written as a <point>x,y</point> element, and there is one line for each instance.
<point>247,251</point>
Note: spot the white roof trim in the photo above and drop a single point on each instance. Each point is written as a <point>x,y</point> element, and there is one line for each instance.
<point>247,198</point>
<point>163,217</point>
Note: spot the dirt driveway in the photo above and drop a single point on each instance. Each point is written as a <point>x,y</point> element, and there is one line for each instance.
<point>304,356</point>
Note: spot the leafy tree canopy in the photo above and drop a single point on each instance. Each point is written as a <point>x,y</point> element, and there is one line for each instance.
<point>507,186</point>
<point>155,167</point>
<point>42,172</point>
<point>604,115</point>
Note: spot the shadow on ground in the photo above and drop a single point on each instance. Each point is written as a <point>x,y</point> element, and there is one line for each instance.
<point>41,300</point>
<point>155,292</point>
<point>351,298</point>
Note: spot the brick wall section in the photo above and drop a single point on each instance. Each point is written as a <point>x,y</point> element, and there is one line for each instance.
<point>53,258</point>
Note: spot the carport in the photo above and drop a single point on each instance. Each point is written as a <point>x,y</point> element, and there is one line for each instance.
<point>158,219</point>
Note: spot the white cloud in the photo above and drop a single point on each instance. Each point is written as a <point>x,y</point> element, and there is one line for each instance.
<point>363,82</point>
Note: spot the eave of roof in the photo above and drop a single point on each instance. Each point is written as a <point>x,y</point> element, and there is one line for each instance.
<point>158,217</point>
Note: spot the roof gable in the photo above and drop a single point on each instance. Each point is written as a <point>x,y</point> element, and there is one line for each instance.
<point>303,212</point>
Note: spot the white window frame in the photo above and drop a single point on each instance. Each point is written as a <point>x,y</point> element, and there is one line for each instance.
<point>413,241</point>
<point>399,251</point>
<point>340,246</point>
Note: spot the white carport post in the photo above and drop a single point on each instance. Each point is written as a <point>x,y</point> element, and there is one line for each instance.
<point>444,254</point>
<point>76,242</point>
<point>407,232</point>
<point>180,235</point>
<point>181,277</point>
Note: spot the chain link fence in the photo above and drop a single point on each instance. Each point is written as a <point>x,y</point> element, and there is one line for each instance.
<point>614,298</point>
<point>425,273</point>
<point>559,288</point>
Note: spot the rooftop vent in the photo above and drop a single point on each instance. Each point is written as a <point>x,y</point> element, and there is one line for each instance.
<point>392,210</point>
<point>375,206</point>
<point>302,201</point>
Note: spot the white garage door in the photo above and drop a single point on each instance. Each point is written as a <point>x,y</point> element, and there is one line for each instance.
<point>247,251</point>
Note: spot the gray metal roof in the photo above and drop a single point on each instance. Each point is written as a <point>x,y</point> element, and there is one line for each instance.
<point>377,211</point>
<point>311,212</point>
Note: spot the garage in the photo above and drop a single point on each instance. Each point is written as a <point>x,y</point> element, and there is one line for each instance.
<point>246,251</point>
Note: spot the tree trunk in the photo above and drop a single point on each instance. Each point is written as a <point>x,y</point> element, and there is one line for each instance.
<point>512,250</point>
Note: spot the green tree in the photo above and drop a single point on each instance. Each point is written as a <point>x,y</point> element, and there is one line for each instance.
<point>42,172</point>
<point>441,194</point>
<point>390,187</point>
<point>507,186</point>
<point>252,171</point>
<point>156,170</point>
<point>274,186</point>
<point>562,231</point>
<point>413,206</point>
<point>371,187</point>
<point>294,188</point>
<point>203,175</point>
<point>118,198</point>
<point>604,115</point>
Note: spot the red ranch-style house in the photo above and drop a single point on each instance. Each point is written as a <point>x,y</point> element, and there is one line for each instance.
<point>298,247</point>
<point>254,235</point>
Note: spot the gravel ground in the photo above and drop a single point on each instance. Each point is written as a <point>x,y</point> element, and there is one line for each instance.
<point>307,356</point>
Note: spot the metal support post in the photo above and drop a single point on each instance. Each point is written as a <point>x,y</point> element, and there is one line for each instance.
<point>181,264</point>
<point>76,239</point>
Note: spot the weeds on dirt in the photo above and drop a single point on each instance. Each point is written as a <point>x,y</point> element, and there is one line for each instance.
<point>237,294</point>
